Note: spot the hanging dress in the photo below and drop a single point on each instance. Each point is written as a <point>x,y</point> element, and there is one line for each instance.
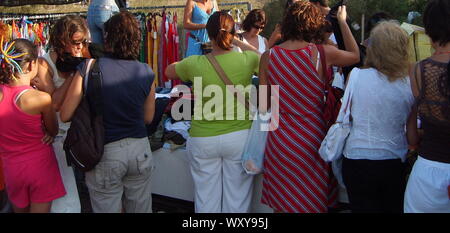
<point>296,179</point>
<point>155,51</point>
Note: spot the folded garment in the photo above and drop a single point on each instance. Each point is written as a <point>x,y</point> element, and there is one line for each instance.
<point>181,127</point>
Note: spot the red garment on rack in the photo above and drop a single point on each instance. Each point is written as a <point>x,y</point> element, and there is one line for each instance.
<point>173,46</point>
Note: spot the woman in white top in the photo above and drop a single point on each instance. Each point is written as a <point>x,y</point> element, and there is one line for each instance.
<point>68,44</point>
<point>382,124</point>
<point>251,39</point>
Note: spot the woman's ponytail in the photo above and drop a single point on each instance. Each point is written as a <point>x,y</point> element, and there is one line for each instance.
<point>220,28</point>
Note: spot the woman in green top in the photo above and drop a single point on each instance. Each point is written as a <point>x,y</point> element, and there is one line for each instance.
<point>219,127</point>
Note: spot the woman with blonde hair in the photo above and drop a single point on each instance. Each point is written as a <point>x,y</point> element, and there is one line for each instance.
<point>381,110</point>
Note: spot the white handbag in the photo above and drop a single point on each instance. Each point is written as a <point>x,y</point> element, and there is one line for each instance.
<point>333,145</point>
<point>253,155</point>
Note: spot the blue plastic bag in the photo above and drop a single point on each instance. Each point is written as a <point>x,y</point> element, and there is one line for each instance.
<point>253,155</point>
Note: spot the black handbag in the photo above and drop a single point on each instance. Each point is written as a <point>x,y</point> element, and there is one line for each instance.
<point>205,46</point>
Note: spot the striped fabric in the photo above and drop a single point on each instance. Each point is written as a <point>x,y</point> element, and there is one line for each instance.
<point>296,179</point>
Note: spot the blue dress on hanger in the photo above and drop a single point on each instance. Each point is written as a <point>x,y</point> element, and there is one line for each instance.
<point>199,16</point>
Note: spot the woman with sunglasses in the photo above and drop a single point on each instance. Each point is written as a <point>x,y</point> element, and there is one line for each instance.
<point>253,25</point>
<point>68,48</point>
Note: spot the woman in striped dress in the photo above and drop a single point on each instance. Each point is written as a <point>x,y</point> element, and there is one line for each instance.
<point>296,179</point>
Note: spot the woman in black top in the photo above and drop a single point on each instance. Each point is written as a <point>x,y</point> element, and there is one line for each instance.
<point>428,187</point>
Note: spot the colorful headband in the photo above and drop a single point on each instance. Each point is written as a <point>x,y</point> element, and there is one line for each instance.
<point>9,56</point>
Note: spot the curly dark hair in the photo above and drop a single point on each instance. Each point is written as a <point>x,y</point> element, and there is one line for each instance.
<point>20,46</point>
<point>253,17</point>
<point>435,19</point>
<point>123,36</point>
<point>302,21</point>
<point>62,32</point>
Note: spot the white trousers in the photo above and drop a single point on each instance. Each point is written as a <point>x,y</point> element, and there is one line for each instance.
<point>221,184</point>
<point>428,188</point>
<point>70,203</point>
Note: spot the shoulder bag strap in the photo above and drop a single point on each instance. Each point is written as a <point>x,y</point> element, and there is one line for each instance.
<point>86,69</point>
<point>96,76</point>
<point>345,111</point>
<point>323,60</point>
<point>225,78</point>
<point>95,93</point>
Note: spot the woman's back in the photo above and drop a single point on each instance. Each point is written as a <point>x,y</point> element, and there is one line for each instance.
<point>125,87</point>
<point>434,110</point>
<point>20,133</point>
<point>301,87</point>
<point>239,67</point>
<point>380,110</point>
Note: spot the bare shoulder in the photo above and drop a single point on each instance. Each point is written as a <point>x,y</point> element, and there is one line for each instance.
<point>36,98</point>
<point>189,3</point>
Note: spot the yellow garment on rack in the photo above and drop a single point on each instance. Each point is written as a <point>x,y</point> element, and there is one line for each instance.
<point>10,32</point>
<point>155,50</point>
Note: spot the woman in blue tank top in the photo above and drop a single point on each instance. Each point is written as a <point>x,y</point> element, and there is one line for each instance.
<point>128,95</point>
<point>196,15</point>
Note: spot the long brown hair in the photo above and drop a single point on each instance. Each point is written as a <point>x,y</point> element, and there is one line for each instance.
<point>62,32</point>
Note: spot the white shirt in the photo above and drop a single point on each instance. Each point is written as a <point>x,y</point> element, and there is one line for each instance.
<point>261,45</point>
<point>58,81</point>
<point>380,111</point>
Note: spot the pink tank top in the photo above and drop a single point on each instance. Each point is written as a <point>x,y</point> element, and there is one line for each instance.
<point>21,133</point>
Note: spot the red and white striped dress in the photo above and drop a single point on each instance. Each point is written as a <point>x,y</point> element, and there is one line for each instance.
<point>296,179</point>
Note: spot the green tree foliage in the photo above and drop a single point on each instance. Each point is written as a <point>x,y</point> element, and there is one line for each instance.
<point>398,9</point>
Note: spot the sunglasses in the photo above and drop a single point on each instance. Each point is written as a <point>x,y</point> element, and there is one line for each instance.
<point>84,41</point>
<point>259,27</point>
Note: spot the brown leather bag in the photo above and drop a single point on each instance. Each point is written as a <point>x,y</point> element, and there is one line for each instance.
<point>225,79</point>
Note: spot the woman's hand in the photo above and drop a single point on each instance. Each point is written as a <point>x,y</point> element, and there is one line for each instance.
<point>342,14</point>
<point>47,139</point>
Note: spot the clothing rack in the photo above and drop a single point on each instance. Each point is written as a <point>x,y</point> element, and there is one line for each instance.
<point>37,16</point>
<point>249,6</point>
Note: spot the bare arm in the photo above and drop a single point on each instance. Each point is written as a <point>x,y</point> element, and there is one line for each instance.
<point>411,128</point>
<point>343,58</point>
<point>275,37</point>
<point>49,116</point>
<point>73,98</point>
<point>43,81</point>
<point>414,74</point>
<point>60,94</point>
<point>171,72</point>
<point>187,21</point>
<point>149,106</point>
<point>245,46</point>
